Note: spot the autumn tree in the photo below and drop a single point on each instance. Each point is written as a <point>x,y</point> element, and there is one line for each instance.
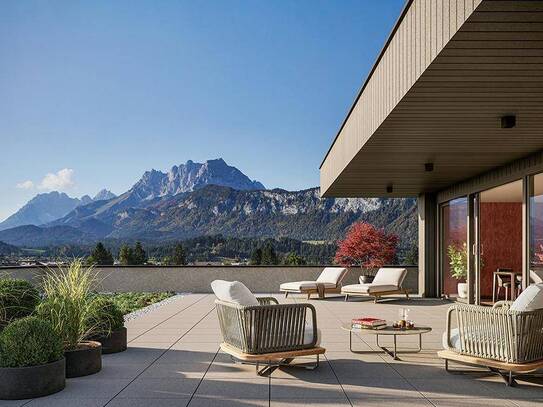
<point>366,246</point>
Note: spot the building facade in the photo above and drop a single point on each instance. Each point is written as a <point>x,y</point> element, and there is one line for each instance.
<point>452,113</point>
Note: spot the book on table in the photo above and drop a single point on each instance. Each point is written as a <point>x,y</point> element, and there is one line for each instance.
<point>368,323</point>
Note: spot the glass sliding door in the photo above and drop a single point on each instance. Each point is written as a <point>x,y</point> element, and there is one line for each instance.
<point>499,272</point>
<point>454,251</point>
<point>536,229</point>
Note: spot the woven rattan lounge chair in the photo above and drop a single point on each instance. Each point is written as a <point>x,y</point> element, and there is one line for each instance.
<point>263,332</point>
<point>387,281</point>
<point>507,339</point>
<point>329,281</point>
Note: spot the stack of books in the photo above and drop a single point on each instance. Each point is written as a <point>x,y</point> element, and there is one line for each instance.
<point>368,323</point>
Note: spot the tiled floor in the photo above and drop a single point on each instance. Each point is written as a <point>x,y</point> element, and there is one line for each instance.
<point>174,360</point>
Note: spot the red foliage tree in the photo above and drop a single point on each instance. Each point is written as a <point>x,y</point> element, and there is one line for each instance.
<point>366,246</point>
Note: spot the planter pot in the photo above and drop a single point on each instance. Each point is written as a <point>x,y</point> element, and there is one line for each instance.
<point>462,290</point>
<point>17,383</point>
<point>114,343</point>
<point>85,360</point>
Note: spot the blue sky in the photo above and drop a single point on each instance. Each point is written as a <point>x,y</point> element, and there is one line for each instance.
<point>94,93</point>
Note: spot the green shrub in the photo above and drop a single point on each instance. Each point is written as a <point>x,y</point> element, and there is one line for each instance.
<point>132,301</point>
<point>68,303</point>
<point>29,341</point>
<point>18,299</point>
<point>106,316</point>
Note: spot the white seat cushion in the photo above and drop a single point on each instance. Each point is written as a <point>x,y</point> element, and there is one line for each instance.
<point>234,292</point>
<point>367,288</point>
<point>390,276</point>
<point>303,285</point>
<point>331,275</point>
<point>308,335</point>
<point>455,339</point>
<point>530,299</point>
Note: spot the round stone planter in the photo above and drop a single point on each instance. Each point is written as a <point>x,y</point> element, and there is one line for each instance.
<point>85,360</point>
<point>18,383</point>
<point>114,343</point>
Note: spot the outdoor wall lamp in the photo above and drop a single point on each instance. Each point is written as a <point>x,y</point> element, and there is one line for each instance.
<point>389,189</point>
<point>428,167</point>
<point>508,122</point>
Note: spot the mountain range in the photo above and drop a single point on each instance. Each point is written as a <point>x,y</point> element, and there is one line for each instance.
<point>196,199</point>
<point>47,207</point>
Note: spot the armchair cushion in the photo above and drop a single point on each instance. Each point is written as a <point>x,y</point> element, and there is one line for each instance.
<point>331,275</point>
<point>390,276</point>
<point>530,299</point>
<point>233,292</point>
<point>455,339</point>
<point>308,335</point>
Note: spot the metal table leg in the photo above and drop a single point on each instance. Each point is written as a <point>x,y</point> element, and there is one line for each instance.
<point>392,353</point>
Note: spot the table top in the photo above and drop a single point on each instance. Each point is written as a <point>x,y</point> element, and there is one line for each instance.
<point>388,330</point>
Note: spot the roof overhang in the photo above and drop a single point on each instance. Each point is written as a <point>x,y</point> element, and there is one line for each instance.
<point>448,73</point>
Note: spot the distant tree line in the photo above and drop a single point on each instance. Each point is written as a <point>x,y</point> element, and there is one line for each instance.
<point>265,251</point>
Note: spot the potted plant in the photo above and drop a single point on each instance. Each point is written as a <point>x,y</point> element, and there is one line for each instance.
<point>68,305</point>
<point>458,261</point>
<point>109,322</point>
<point>32,363</point>
<point>18,299</point>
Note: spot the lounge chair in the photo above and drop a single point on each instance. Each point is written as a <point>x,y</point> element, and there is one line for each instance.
<point>387,281</point>
<point>329,281</point>
<point>507,339</point>
<point>261,331</point>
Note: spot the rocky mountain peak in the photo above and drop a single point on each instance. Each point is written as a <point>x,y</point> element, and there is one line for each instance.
<point>191,176</point>
<point>103,195</point>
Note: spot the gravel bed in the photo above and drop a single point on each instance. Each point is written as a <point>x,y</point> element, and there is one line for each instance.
<point>142,311</point>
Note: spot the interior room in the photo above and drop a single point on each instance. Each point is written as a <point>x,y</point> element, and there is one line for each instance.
<point>500,228</point>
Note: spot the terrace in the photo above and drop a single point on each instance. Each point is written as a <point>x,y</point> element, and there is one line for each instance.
<point>174,359</point>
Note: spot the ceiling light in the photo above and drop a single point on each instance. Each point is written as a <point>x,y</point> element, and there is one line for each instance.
<point>508,122</point>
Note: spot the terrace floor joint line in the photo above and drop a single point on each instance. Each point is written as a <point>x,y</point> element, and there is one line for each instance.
<point>166,350</point>
<point>170,317</point>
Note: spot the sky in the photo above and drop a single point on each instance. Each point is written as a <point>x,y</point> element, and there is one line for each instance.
<point>94,93</point>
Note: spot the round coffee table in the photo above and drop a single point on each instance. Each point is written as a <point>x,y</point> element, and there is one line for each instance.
<point>388,331</point>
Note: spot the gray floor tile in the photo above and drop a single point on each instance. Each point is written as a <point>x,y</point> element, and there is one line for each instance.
<point>213,402</point>
<point>41,402</point>
<point>473,402</point>
<point>234,388</point>
<point>311,402</point>
<point>452,387</point>
<point>299,389</point>
<point>150,388</point>
<point>89,388</point>
<point>138,402</point>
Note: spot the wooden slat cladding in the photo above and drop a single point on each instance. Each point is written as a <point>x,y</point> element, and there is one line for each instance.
<point>511,172</point>
<point>416,42</point>
<point>486,63</point>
